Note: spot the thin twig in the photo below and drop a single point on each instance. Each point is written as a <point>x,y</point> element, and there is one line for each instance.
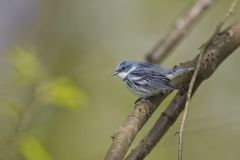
<point>178,31</point>
<point>189,93</point>
<point>220,24</point>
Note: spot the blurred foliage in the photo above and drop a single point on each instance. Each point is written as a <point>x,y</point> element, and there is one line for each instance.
<point>44,89</point>
<point>32,149</point>
<point>62,92</point>
<point>12,109</point>
<point>27,65</point>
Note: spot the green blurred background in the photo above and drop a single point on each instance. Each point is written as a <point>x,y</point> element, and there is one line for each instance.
<point>59,100</point>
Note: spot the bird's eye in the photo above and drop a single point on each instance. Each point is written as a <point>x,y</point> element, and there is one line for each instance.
<point>123,68</point>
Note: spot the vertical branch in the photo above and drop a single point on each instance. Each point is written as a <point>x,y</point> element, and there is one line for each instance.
<point>189,94</point>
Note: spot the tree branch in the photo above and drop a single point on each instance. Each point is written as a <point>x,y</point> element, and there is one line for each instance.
<point>180,29</point>
<point>218,50</point>
<point>124,135</point>
<point>189,92</point>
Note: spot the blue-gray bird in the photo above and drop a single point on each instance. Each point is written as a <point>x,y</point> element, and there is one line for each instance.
<point>147,79</point>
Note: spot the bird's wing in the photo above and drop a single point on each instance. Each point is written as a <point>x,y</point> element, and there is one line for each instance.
<point>150,77</point>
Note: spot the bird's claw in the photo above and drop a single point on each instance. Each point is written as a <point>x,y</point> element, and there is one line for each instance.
<point>141,100</point>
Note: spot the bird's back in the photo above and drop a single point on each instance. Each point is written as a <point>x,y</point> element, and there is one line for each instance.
<point>153,67</point>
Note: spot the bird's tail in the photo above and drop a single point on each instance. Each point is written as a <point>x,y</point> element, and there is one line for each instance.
<point>178,71</point>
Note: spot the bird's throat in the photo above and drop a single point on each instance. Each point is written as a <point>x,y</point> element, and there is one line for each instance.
<point>123,75</point>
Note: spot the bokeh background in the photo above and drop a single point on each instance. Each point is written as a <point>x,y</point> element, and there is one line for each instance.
<point>59,100</point>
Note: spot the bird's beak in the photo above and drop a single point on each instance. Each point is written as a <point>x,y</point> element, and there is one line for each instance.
<point>115,73</point>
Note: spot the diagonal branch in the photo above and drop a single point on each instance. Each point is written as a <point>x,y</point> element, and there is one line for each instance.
<point>215,53</point>
<point>180,29</point>
<point>124,135</point>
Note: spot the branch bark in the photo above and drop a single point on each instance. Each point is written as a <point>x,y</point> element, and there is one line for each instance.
<point>180,29</point>
<point>124,135</point>
<point>217,51</point>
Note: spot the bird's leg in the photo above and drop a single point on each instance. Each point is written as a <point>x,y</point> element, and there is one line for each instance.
<point>138,101</point>
<point>141,99</point>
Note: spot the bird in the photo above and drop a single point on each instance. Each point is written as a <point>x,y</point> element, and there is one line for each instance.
<point>146,79</point>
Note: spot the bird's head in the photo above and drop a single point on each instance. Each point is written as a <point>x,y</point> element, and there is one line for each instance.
<point>124,68</point>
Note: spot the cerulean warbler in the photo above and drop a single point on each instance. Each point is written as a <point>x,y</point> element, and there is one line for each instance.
<point>147,79</point>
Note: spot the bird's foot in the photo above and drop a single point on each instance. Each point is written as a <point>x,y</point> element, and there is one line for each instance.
<point>141,100</point>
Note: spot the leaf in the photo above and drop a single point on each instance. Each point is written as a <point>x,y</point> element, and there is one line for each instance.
<point>64,93</point>
<point>26,65</point>
<point>32,149</point>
